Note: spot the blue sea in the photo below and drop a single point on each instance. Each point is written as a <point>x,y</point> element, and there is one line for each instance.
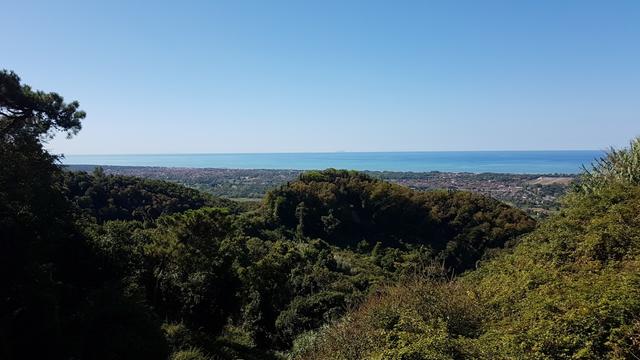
<point>532,162</point>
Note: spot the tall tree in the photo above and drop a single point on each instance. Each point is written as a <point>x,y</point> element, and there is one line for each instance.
<point>28,114</point>
<point>34,218</point>
<point>56,302</point>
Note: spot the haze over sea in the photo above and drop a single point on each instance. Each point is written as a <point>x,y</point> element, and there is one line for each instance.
<point>532,162</point>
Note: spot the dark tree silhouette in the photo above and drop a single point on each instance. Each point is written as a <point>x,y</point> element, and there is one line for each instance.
<point>25,113</point>
<point>49,283</point>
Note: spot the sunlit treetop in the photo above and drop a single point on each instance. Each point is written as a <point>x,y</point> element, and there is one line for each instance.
<point>28,113</point>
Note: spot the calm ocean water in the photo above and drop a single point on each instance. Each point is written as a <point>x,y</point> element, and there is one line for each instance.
<point>537,162</point>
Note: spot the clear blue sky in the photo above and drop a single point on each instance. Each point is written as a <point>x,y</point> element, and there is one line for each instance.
<point>295,76</point>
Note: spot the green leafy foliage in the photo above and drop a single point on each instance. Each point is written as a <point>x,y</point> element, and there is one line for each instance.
<point>333,265</point>
<point>616,167</point>
<point>346,208</point>
<point>575,282</point>
<point>26,114</point>
<point>51,294</point>
<point>200,270</point>
<point>419,319</point>
<point>190,266</point>
<point>568,290</point>
<point>108,197</point>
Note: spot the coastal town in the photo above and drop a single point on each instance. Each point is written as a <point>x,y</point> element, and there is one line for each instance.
<point>536,194</point>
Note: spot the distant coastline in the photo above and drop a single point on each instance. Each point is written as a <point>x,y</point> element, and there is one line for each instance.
<point>515,162</point>
<point>536,194</point>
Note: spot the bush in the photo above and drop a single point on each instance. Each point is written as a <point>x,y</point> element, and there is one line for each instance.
<point>190,354</point>
<point>420,319</point>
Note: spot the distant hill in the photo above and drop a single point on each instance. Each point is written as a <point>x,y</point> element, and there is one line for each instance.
<point>115,197</point>
<point>537,195</point>
<point>348,208</point>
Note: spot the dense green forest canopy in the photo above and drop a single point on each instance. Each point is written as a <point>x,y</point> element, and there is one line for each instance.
<point>107,197</point>
<point>568,290</point>
<point>335,264</point>
<point>354,210</point>
<point>98,267</point>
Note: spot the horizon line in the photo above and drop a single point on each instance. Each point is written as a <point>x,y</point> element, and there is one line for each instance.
<point>330,152</point>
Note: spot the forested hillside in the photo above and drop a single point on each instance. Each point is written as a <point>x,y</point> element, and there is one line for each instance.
<point>537,194</point>
<point>114,267</point>
<point>353,210</point>
<point>333,265</point>
<point>107,197</point>
<point>568,290</point>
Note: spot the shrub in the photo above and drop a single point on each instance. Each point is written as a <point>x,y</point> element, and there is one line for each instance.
<point>190,354</point>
